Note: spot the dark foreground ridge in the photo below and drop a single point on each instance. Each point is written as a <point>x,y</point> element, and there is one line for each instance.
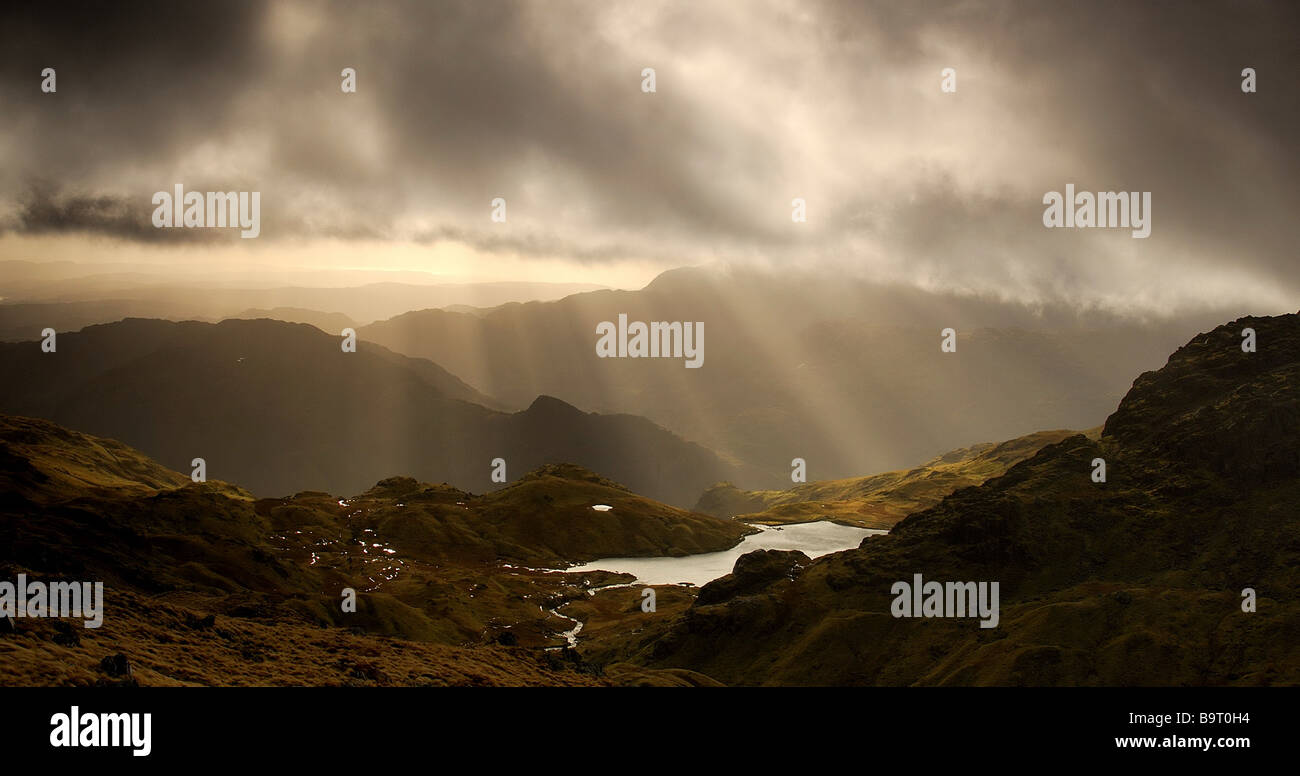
<point>1135,581</point>
<point>205,584</point>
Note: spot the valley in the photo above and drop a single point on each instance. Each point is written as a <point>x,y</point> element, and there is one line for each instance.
<point>544,580</point>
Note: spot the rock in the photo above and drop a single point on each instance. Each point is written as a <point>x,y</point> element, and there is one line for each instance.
<point>362,669</point>
<point>200,623</point>
<point>752,572</point>
<point>116,665</point>
<point>1214,406</point>
<point>66,634</point>
<point>726,500</point>
<point>568,659</point>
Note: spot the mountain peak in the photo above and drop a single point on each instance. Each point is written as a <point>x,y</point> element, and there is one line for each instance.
<point>1215,404</point>
<point>552,405</point>
<point>573,472</point>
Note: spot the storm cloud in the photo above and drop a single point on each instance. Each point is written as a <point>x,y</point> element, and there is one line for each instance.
<point>757,103</point>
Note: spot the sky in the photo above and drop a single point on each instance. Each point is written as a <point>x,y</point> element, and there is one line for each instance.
<point>756,103</point>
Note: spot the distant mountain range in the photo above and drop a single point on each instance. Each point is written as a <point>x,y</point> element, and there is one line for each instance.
<point>279,408</point>
<point>846,374</point>
<point>68,296</point>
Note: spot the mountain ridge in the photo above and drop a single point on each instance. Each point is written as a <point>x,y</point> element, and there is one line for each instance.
<point>786,352</point>
<point>278,408</point>
<point>1136,580</point>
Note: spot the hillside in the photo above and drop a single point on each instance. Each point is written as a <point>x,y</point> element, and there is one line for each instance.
<point>1135,581</point>
<point>843,373</point>
<point>878,500</point>
<point>42,462</point>
<point>544,519</point>
<point>207,585</point>
<point>279,408</point>
<point>330,323</point>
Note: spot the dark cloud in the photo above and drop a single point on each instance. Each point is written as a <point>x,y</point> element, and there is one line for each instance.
<point>531,244</point>
<point>45,210</point>
<point>460,102</point>
<point>137,81</point>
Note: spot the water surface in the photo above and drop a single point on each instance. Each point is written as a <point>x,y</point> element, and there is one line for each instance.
<point>813,539</point>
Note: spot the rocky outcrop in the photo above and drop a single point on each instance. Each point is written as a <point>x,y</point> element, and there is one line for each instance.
<point>1181,568</point>
<point>753,571</point>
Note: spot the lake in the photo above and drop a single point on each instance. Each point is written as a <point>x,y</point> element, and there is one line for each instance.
<point>813,539</point>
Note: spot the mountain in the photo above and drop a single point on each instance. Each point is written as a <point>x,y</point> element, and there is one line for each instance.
<point>330,323</point>
<point>21,321</point>
<point>205,584</point>
<point>42,462</point>
<point>67,296</point>
<point>846,374</point>
<point>546,518</point>
<point>279,408</point>
<point>1139,580</point>
<point>878,500</point>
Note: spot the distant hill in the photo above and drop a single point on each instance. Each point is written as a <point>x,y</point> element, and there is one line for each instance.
<point>70,295</point>
<point>279,408</point>
<point>543,519</point>
<point>330,323</point>
<point>26,321</point>
<point>21,321</point>
<point>846,374</point>
<point>1134,581</point>
<point>878,500</point>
